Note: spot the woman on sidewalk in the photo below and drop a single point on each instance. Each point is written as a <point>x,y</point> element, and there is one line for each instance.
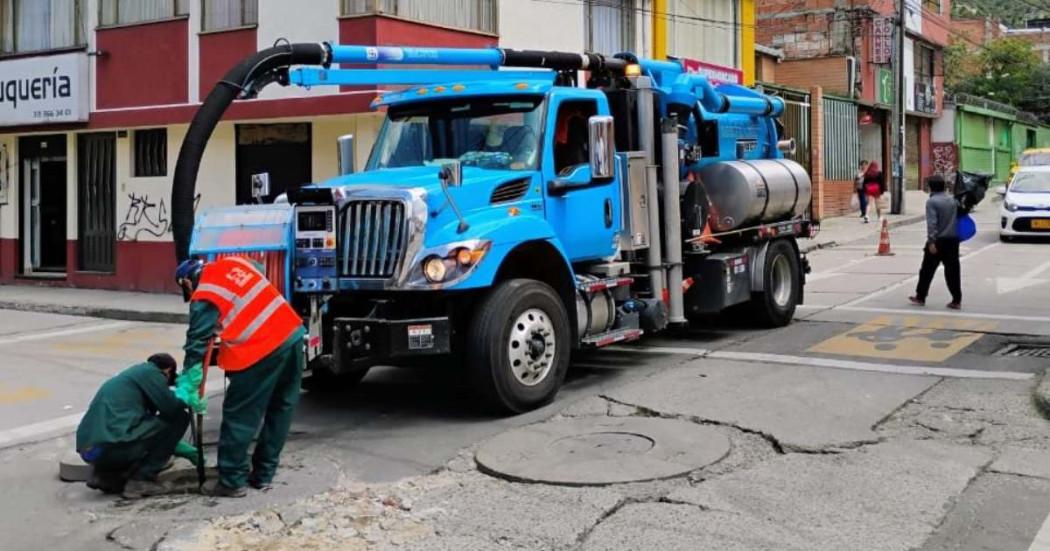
<point>874,187</point>
<point>862,195</point>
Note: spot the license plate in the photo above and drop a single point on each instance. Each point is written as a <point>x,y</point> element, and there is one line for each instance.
<point>1041,224</point>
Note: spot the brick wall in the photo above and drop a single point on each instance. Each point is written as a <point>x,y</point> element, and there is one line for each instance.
<point>975,31</point>
<point>816,150</point>
<point>829,73</point>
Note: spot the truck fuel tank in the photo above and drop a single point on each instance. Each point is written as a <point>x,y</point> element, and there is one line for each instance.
<point>743,193</point>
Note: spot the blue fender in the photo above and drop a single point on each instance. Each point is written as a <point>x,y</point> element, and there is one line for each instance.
<point>506,235</point>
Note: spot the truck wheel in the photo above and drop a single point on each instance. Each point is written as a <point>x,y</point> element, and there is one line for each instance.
<point>518,345</point>
<point>775,307</point>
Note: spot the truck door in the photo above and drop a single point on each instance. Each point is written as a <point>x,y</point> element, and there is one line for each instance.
<point>583,216</point>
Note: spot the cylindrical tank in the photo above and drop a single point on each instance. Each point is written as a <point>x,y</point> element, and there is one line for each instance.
<point>743,193</point>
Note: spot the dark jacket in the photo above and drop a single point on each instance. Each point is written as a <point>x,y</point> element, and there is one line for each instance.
<point>875,178</point>
<point>118,411</point>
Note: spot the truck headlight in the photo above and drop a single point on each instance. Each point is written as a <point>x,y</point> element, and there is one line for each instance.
<point>442,266</point>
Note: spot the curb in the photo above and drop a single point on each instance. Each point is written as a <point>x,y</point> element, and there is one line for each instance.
<point>832,244</point>
<point>119,314</point>
<point>1041,394</point>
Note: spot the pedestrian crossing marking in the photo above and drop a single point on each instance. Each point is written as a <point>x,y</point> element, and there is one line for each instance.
<point>913,338</point>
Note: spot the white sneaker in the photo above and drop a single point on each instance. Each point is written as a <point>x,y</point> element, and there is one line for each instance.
<point>865,219</point>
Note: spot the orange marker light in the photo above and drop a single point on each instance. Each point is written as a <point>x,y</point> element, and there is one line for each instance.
<point>521,86</point>
<point>464,257</point>
<point>513,211</point>
<point>439,89</point>
<point>458,88</point>
<point>422,91</point>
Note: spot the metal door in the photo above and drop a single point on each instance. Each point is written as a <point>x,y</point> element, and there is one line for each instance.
<point>31,215</point>
<point>96,185</point>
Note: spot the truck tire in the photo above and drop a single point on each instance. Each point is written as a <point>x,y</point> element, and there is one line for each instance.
<point>782,281</point>
<point>518,346</point>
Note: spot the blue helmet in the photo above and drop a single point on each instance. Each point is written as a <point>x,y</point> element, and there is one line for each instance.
<point>188,270</point>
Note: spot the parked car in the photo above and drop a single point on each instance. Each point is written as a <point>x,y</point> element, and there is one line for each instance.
<point>1031,157</point>
<point>1026,204</point>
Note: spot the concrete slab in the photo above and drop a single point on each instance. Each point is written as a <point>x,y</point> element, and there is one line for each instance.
<point>998,512</point>
<point>600,451</point>
<point>883,497</point>
<point>852,283</point>
<point>800,407</point>
<point>1023,462</point>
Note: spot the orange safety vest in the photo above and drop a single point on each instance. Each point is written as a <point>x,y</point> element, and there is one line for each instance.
<point>254,319</point>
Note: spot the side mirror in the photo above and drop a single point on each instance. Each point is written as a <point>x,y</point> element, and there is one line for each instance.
<point>1000,190</point>
<point>602,147</point>
<point>451,173</point>
<point>345,144</point>
<point>260,186</point>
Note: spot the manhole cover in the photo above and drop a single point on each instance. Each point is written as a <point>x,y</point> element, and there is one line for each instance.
<point>1025,350</point>
<point>601,450</point>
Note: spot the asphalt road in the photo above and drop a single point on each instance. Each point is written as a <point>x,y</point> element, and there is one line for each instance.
<point>409,423</point>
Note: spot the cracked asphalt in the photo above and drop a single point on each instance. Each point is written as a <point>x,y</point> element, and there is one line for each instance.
<point>864,425</point>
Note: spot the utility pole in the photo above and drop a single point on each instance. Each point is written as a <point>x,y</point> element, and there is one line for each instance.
<point>659,20</point>
<point>900,110</point>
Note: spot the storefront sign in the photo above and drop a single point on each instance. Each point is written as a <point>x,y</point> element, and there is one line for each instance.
<point>717,74</point>
<point>882,40</point>
<point>44,89</point>
<point>885,87</point>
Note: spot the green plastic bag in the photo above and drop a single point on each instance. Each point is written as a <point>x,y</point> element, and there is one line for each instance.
<point>186,451</point>
<point>187,389</point>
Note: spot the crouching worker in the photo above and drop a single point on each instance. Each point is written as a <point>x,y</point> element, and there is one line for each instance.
<point>132,429</point>
<point>261,352</point>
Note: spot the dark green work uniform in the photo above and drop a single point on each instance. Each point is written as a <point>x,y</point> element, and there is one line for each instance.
<point>263,395</point>
<point>132,425</point>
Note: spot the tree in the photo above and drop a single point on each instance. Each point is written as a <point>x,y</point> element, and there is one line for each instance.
<point>1006,70</point>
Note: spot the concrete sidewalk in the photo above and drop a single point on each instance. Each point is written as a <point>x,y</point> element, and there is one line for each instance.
<point>169,308</point>
<point>847,229</point>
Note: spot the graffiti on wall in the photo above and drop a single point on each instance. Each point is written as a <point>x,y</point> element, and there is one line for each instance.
<point>945,159</point>
<point>147,217</point>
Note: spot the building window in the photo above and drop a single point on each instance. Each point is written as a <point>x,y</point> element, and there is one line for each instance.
<point>475,15</point>
<point>125,12</point>
<point>32,25</point>
<point>229,14</point>
<point>925,93</point>
<point>610,26</point>
<point>933,6</point>
<point>151,152</point>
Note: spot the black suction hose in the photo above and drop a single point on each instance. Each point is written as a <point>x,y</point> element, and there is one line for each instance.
<point>260,68</point>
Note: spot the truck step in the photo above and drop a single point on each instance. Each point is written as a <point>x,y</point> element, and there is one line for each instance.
<point>612,337</point>
<point>598,285</point>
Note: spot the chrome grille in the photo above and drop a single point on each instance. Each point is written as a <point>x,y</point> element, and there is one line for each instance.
<point>373,238</point>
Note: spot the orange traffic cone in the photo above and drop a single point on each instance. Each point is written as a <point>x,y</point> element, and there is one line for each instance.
<point>706,236</point>
<point>884,240</point>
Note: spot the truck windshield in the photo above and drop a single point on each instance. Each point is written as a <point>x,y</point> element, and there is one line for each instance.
<point>500,133</point>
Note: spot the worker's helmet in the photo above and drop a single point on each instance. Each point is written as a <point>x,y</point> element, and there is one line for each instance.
<point>188,271</point>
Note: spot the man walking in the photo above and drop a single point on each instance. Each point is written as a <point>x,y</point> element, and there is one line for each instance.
<point>131,429</point>
<point>262,354</point>
<point>942,244</point>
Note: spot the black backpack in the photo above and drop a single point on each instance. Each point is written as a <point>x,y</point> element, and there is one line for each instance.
<point>969,190</point>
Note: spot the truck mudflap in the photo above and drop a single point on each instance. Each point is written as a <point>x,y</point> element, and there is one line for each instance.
<point>364,342</point>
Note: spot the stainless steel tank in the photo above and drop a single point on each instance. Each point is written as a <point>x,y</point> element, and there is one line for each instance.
<point>743,193</point>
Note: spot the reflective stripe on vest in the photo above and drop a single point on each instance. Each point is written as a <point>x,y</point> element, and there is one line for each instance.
<point>221,291</point>
<point>262,318</point>
<point>239,303</point>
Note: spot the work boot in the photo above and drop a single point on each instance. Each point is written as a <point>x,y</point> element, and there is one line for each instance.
<point>916,301</point>
<point>138,489</point>
<point>954,305</point>
<point>260,485</point>
<point>218,489</point>
<point>107,483</point>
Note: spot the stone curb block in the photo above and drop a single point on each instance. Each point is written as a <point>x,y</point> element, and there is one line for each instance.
<point>1041,394</point>
<point>832,244</point>
<point>120,314</point>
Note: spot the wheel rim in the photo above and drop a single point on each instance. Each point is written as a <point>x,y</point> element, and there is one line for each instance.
<point>782,282</point>
<point>531,347</point>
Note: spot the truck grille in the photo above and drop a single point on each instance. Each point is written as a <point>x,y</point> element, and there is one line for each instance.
<point>373,238</point>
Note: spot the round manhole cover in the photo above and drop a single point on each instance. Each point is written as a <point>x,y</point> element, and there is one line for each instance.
<point>601,450</point>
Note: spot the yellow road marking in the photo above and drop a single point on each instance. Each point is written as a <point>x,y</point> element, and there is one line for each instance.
<point>914,338</point>
<point>21,394</point>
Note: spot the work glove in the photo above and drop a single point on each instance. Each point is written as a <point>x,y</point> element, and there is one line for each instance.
<point>187,389</point>
<point>186,451</point>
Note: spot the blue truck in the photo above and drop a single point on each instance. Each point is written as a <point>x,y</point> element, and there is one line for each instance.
<point>508,219</point>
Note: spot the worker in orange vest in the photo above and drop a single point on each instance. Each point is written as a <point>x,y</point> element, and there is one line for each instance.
<point>261,352</point>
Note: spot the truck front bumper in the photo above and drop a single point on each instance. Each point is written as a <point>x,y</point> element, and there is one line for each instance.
<point>359,343</point>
